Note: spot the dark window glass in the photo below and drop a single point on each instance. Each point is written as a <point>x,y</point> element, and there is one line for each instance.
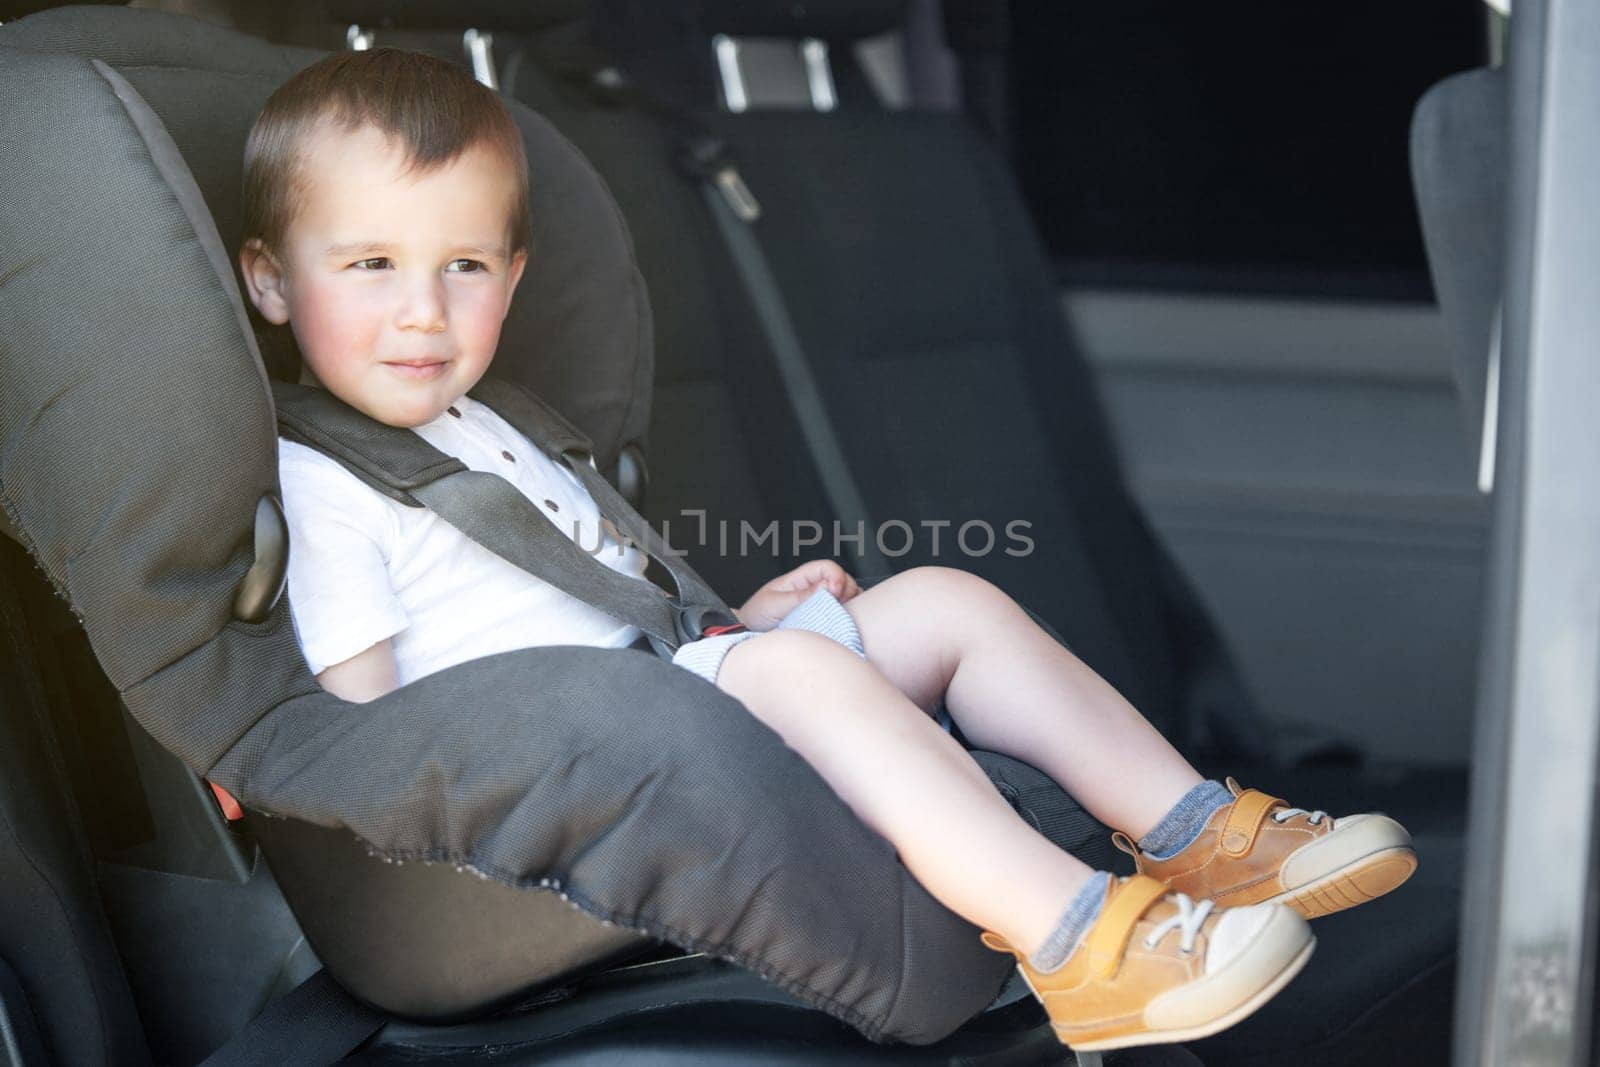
<point>1250,145</point>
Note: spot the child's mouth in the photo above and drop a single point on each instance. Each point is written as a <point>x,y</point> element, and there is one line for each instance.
<point>420,369</point>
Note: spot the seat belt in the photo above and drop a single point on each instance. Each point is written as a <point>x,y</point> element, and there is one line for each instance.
<point>491,511</point>
<point>703,157</point>
<point>734,210</point>
<point>315,1022</point>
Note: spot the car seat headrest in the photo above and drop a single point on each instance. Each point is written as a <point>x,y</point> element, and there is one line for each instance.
<point>828,20</point>
<point>682,53</point>
<point>519,16</point>
<point>579,330</point>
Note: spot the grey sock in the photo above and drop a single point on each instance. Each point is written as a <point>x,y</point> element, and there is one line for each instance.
<point>1179,827</point>
<point>1074,923</point>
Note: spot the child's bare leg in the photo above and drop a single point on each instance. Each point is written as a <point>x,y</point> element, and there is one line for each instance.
<point>1013,689</point>
<point>908,780</point>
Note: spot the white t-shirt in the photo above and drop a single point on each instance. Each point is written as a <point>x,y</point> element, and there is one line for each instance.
<point>363,567</point>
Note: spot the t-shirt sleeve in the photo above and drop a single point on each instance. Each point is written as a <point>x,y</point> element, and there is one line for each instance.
<point>341,534</point>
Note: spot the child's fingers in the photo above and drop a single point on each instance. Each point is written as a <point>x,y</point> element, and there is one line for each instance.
<point>837,580</point>
<point>804,577</point>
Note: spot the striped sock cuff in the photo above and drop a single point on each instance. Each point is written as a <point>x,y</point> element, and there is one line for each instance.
<point>1179,827</point>
<point>1073,924</point>
<point>822,613</point>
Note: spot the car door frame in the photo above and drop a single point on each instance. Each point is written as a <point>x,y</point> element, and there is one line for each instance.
<point>1528,934</point>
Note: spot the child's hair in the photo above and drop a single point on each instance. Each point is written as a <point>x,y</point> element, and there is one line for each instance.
<point>431,107</point>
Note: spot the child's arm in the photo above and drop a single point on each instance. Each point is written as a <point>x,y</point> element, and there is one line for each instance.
<point>365,676</point>
<point>341,537</point>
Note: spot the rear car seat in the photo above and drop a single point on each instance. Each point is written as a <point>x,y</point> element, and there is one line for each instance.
<point>927,310</point>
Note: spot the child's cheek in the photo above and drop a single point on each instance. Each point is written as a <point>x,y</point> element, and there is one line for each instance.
<point>479,316</point>
<point>339,324</point>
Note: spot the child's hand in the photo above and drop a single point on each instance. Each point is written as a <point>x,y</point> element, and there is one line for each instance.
<point>778,597</point>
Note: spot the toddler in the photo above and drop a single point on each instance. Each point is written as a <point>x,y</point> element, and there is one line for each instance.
<point>387,224</point>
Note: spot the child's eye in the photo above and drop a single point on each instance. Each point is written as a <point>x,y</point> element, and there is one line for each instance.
<point>374,263</point>
<point>465,266</point>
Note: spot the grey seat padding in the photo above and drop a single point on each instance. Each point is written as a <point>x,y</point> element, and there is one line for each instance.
<point>136,436</point>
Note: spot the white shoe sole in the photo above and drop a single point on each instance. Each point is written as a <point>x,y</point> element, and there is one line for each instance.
<point>1286,927</point>
<point>1365,879</point>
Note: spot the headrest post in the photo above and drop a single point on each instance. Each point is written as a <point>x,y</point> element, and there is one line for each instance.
<point>480,50</point>
<point>726,50</point>
<point>819,75</point>
<point>358,39</point>
<point>741,86</point>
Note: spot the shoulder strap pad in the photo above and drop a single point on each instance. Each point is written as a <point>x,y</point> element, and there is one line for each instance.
<point>391,460</point>
<point>395,461</point>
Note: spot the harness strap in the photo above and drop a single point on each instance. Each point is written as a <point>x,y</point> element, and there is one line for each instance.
<point>734,210</point>
<point>492,512</point>
<point>704,158</point>
<point>495,514</point>
<point>390,460</point>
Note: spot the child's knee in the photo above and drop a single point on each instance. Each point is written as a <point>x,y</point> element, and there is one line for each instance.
<point>782,658</point>
<point>945,587</point>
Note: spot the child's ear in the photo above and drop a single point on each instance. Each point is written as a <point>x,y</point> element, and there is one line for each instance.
<point>518,262</point>
<point>264,281</point>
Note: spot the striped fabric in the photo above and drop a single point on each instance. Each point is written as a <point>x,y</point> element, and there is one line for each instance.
<point>820,613</point>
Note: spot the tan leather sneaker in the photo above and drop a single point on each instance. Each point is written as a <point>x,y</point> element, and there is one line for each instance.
<point>1156,967</point>
<point>1258,850</point>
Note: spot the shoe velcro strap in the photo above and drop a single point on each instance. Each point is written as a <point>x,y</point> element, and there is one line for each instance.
<point>1108,938</point>
<point>1244,821</point>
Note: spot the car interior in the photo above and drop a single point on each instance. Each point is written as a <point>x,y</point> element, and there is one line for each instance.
<point>909,260</point>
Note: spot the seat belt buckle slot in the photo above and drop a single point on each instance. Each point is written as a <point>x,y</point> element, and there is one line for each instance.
<point>694,621</point>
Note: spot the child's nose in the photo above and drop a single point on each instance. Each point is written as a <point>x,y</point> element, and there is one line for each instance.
<point>422,307</point>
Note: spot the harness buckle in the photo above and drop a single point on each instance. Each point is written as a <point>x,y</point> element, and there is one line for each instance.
<point>693,621</point>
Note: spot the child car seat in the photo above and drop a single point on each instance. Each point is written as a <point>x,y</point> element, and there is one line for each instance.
<point>138,445</point>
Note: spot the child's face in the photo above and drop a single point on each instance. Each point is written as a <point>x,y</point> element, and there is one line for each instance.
<point>394,283</point>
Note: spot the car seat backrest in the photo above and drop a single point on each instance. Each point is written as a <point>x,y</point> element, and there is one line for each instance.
<point>1459,167</point>
<point>931,320</point>
<point>138,430</point>
<point>717,402</point>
